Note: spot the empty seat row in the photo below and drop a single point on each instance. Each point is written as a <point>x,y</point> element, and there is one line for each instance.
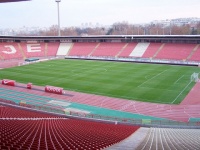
<point>61,134</point>
<point>12,112</point>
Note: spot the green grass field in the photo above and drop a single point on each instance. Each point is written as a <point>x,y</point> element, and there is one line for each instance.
<point>134,81</point>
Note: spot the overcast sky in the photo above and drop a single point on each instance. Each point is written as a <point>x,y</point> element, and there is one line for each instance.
<point>43,13</point>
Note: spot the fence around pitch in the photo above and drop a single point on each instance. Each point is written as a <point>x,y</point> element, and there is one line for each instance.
<point>138,121</point>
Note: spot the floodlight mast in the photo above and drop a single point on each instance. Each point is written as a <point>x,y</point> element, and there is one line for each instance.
<point>58,1</point>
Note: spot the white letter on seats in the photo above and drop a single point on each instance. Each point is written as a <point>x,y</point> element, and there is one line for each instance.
<point>33,48</point>
<point>10,49</point>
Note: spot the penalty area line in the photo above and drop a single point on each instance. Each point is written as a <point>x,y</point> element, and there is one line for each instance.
<point>151,78</point>
<point>181,92</point>
<point>179,79</point>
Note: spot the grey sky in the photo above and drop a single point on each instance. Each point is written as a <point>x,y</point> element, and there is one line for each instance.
<point>43,13</point>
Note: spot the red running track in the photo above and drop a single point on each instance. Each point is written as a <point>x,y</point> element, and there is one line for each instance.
<point>193,97</point>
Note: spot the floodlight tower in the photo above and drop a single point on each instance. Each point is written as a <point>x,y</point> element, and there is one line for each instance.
<point>58,1</point>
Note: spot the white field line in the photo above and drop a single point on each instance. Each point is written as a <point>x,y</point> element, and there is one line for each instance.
<point>98,69</point>
<point>151,78</point>
<point>155,88</point>
<point>181,92</point>
<point>179,79</point>
<point>126,106</point>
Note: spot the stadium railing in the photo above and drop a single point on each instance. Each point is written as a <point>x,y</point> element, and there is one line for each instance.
<point>141,122</point>
<point>116,120</point>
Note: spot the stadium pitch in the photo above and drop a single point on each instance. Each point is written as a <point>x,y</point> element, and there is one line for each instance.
<point>134,81</point>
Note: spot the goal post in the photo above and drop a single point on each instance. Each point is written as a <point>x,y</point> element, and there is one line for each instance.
<point>194,77</point>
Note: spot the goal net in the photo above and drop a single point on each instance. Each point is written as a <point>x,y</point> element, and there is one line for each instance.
<point>194,77</point>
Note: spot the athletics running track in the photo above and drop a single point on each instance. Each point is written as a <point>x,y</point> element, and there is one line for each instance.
<point>189,108</point>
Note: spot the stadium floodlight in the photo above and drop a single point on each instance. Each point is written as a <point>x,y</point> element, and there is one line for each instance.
<point>58,1</point>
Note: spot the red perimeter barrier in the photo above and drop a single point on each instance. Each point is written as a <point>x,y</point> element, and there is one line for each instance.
<point>29,86</point>
<point>52,89</point>
<point>8,82</point>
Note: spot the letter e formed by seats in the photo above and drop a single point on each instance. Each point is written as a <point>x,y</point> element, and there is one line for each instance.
<point>9,49</point>
<point>33,48</point>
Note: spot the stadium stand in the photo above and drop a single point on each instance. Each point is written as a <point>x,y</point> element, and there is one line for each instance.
<point>14,50</point>
<point>29,129</point>
<point>168,138</point>
<point>196,54</point>
<point>127,50</point>
<point>108,49</point>
<point>33,49</point>
<point>13,112</point>
<point>175,51</point>
<point>152,49</point>
<point>63,49</point>
<point>10,51</point>
<point>139,50</point>
<point>51,49</point>
<point>45,132</point>
<point>82,49</point>
<point>169,51</point>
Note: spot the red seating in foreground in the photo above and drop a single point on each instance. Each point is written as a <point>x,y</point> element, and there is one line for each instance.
<point>56,133</point>
<point>12,112</point>
<point>61,134</point>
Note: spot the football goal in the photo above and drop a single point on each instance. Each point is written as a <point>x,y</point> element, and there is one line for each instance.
<point>194,77</point>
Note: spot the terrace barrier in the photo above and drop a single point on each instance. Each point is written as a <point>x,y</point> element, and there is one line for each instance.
<point>142,122</point>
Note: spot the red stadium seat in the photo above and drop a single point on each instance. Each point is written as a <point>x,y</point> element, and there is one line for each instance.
<point>57,133</point>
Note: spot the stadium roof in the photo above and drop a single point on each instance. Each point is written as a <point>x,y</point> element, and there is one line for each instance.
<point>7,1</point>
<point>109,38</point>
